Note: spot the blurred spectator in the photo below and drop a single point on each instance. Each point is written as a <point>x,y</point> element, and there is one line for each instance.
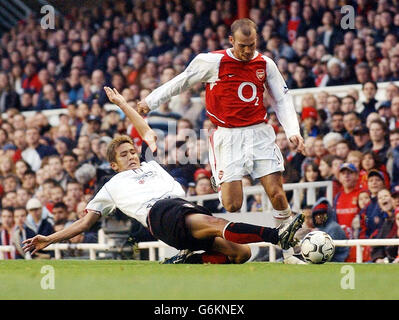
<point>203,186</point>
<point>369,89</point>
<point>37,220</point>
<point>342,149</point>
<point>361,139</point>
<point>351,121</point>
<point>49,100</point>
<point>374,216</point>
<point>8,97</point>
<point>337,122</point>
<point>7,225</point>
<point>29,181</point>
<point>309,118</point>
<point>359,221</point>
<point>378,137</point>
<point>56,170</point>
<point>36,150</point>
<point>393,157</point>
<point>388,229</point>
<point>323,220</point>
<point>311,174</point>
<point>21,232</point>
<point>301,78</point>
<point>60,213</point>
<point>330,141</point>
<point>329,35</point>
<point>345,202</point>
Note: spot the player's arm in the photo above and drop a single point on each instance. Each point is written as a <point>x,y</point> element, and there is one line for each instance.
<point>142,127</point>
<point>201,69</point>
<point>39,242</point>
<point>284,105</point>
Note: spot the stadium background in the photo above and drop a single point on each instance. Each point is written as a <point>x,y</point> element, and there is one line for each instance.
<point>52,80</point>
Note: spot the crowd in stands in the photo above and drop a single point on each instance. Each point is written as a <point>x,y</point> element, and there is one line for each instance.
<point>49,172</point>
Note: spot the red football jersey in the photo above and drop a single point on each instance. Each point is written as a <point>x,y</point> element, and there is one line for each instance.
<point>234,90</point>
<point>236,98</point>
<point>346,207</point>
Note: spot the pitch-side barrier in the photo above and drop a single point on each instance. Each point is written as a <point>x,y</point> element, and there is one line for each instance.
<point>298,189</point>
<point>161,247</point>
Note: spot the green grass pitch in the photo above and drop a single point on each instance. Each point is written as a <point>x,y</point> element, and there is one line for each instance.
<point>145,280</point>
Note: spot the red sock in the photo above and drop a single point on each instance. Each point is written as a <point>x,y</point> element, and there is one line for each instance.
<point>208,257</point>
<point>215,258</point>
<point>248,233</point>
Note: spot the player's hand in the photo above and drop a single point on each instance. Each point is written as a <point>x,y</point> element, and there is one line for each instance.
<point>114,96</point>
<point>298,143</point>
<point>142,107</point>
<point>36,243</point>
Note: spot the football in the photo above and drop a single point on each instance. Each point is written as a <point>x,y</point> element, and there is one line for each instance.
<point>317,247</point>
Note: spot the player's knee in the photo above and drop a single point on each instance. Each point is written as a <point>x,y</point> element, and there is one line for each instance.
<point>279,199</point>
<point>232,206</point>
<point>242,256</point>
<point>210,227</point>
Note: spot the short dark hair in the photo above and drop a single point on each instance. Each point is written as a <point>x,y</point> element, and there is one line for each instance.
<point>338,113</point>
<point>60,205</point>
<point>350,97</point>
<point>8,208</point>
<point>21,208</point>
<point>29,172</point>
<point>370,81</point>
<point>357,115</point>
<point>394,131</point>
<point>382,124</point>
<point>345,142</point>
<point>50,180</point>
<point>70,154</point>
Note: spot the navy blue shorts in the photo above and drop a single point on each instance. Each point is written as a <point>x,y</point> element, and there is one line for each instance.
<point>166,221</point>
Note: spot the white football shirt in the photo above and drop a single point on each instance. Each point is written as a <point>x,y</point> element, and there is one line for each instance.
<point>134,192</point>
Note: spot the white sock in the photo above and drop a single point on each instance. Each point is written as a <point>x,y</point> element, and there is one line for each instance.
<point>288,253</point>
<point>281,216</point>
<point>254,252</point>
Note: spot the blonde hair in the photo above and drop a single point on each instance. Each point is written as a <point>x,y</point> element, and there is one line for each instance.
<point>245,25</point>
<point>308,100</point>
<point>115,143</point>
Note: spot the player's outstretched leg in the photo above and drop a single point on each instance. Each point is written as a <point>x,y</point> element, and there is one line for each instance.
<point>204,226</point>
<point>222,252</point>
<point>180,257</point>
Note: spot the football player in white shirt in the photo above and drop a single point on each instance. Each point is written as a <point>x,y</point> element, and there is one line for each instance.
<point>145,191</point>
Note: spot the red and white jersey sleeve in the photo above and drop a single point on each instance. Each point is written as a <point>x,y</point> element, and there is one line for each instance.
<point>203,68</point>
<point>283,103</point>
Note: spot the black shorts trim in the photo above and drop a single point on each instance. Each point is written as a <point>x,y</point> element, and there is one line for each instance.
<point>167,223</point>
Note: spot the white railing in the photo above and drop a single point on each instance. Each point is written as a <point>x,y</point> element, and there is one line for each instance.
<point>298,188</point>
<point>152,246</point>
<point>261,218</point>
<point>340,91</point>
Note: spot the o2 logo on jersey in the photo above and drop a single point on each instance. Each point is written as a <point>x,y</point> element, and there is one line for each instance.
<point>254,93</point>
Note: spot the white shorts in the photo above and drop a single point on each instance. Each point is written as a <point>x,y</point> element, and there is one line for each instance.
<point>236,152</point>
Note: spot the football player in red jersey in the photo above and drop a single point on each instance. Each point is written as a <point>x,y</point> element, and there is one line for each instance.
<point>243,143</point>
